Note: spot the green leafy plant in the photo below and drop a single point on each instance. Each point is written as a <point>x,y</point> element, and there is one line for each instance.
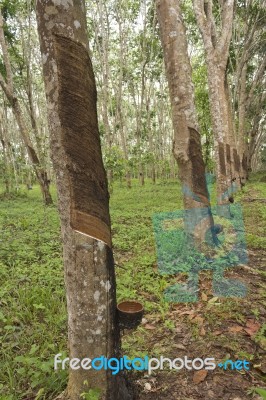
<point>92,394</point>
<point>261,392</point>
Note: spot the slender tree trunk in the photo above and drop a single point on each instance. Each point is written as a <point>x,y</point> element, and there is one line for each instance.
<point>119,117</point>
<point>242,99</point>
<point>187,143</point>
<point>220,128</point>
<point>82,195</point>
<point>103,46</point>
<point>41,174</point>
<point>14,183</point>
<point>216,53</point>
<point>8,89</point>
<point>5,162</point>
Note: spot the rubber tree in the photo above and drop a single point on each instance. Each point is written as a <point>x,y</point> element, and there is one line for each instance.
<point>101,27</point>
<point>5,156</point>
<point>82,195</point>
<point>187,142</point>
<point>7,85</point>
<point>249,78</point>
<point>216,40</point>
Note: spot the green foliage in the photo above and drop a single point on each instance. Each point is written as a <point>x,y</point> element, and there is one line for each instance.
<point>33,311</point>
<point>33,321</point>
<point>9,8</point>
<point>263,156</point>
<point>92,394</point>
<point>261,335</point>
<point>115,161</point>
<point>255,216</point>
<point>33,324</point>
<point>199,76</point>
<point>261,392</point>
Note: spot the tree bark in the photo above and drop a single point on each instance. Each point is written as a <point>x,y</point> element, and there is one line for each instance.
<point>8,89</point>
<point>216,54</point>
<point>6,174</point>
<point>40,172</point>
<point>187,144</point>
<point>102,39</point>
<point>82,195</point>
<point>119,117</point>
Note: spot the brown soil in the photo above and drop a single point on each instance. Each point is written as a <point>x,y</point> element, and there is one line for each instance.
<point>223,329</point>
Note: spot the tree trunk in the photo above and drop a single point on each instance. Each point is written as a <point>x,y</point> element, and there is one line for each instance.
<point>103,47</point>
<point>119,117</point>
<point>242,99</point>
<point>141,175</point>
<point>82,195</point>
<point>218,105</point>
<point>153,173</point>
<point>5,164</point>
<point>41,174</point>
<point>12,170</point>
<point>8,89</point>
<point>187,144</point>
<point>216,54</point>
<point>128,179</point>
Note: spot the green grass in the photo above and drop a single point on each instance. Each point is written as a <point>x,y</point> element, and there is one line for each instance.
<point>133,239</point>
<point>33,325</point>
<point>32,300</point>
<point>255,214</point>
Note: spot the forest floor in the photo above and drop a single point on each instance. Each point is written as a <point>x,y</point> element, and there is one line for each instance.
<point>223,328</point>
<point>33,312</point>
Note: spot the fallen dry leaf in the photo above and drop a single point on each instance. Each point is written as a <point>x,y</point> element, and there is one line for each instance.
<point>200,376</point>
<point>235,329</point>
<point>200,320</point>
<point>204,297</point>
<point>252,327</point>
<point>149,327</point>
<point>217,333</point>
<point>147,386</point>
<point>261,368</point>
<point>202,331</point>
<point>179,346</point>
<point>213,300</point>
<point>192,312</point>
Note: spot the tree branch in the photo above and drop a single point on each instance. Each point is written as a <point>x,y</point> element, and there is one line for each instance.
<point>203,12</point>
<point>6,88</point>
<point>226,32</point>
<point>259,75</point>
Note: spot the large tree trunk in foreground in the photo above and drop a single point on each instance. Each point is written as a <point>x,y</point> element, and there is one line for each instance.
<point>82,195</point>
<point>187,143</point>
<point>8,89</point>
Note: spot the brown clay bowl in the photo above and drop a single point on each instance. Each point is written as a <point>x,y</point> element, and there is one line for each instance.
<point>130,314</point>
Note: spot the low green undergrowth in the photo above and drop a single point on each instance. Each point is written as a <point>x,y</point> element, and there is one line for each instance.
<point>33,323</point>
